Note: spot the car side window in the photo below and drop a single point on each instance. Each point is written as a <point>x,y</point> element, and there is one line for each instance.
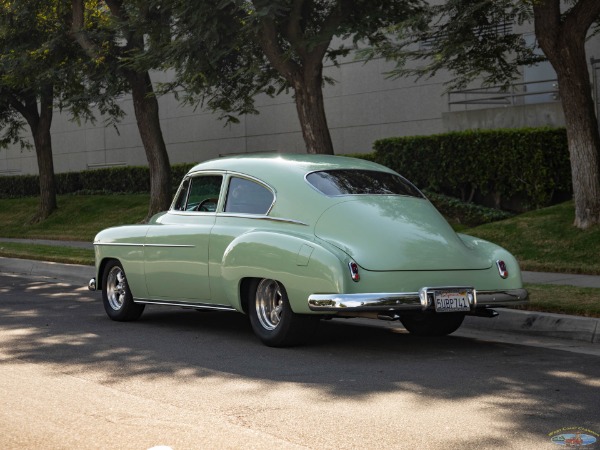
<point>202,194</point>
<point>248,197</point>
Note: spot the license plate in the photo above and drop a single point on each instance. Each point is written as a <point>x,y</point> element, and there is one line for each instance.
<point>452,301</point>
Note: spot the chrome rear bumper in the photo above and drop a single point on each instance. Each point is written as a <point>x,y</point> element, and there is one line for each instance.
<point>408,301</point>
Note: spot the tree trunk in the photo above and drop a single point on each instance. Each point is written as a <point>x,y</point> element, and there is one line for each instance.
<point>311,111</point>
<point>43,150</point>
<point>584,141</point>
<point>146,113</point>
<point>40,123</point>
<point>563,42</point>
<point>145,105</point>
<point>305,76</point>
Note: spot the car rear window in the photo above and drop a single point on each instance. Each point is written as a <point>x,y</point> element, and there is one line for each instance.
<point>361,182</point>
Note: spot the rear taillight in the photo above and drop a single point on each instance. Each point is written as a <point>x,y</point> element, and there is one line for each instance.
<point>354,271</point>
<point>502,268</point>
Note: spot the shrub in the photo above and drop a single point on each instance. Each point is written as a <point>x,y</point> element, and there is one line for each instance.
<point>129,180</point>
<point>527,166</point>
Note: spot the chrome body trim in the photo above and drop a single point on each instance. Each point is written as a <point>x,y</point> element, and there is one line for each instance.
<point>92,284</point>
<point>365,302</point>
<point>260,217</point>
<point>119,244</point>
<point>407,301</point>
<point>131,244</point>
<point>502,298</point>
<point>170,245</point>
<point>184,304</point>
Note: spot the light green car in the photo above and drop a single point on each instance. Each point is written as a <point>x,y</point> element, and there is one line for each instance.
<point>291,239</point>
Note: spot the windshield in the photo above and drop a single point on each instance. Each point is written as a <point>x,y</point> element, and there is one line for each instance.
<point>361,182</point>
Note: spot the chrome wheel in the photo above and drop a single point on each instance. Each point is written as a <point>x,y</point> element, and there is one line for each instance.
<point>272,317</point>
<point>269,304</point>
<point>116,288</point>
<point>116,295</point>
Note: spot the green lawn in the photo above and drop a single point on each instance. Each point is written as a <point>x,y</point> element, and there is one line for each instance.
<point>47,253</point>
<point>546,240</point>
<point>542,240</point>
<point>564,300</point>
<point>79,217</point>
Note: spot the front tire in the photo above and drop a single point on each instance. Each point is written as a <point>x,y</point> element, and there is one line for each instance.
<point>432,324</point>
<point>272,318</point>
<point>116,296</point>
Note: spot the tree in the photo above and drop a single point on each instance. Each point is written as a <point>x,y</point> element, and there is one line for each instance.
<point>38,71</point>
<point>277,45</point>
<point>112,49</point>
<point>468,38</point>
<point>562,36</point>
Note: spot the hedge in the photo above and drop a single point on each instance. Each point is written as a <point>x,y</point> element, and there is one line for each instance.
<point>131,179</point>
<point>524,167</point>
<point>515,169</point>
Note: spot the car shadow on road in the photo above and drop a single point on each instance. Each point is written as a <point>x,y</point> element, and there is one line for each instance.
<point>68,329</point>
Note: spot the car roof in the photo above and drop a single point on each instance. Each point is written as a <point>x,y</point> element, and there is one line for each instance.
<point>268,164</point>
<point>285,173</point>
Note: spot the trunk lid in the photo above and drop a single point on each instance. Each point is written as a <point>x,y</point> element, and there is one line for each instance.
<point>384,233</point>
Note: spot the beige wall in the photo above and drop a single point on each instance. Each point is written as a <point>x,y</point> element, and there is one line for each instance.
<point>361,107</point>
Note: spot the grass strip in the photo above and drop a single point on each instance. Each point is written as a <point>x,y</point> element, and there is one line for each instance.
<point>68,255</point>
<point>560,299</point>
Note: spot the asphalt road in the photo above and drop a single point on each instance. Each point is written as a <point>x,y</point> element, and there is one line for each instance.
<point>70,378</point>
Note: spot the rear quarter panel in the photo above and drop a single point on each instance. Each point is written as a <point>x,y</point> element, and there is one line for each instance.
<point>302,265</point>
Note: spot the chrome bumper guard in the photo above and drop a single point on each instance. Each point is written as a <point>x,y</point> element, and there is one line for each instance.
<point>92,284</point>
<point>409,301</point>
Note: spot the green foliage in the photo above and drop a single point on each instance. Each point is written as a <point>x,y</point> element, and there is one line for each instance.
<point>529,165</point>
<point>225,53</point>
<point>465,214</point>
<point>130,180</point>
<point>473,39</point>
<point>39,57</point>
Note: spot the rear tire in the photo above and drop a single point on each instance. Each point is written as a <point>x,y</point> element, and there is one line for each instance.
<point>272,318</point>
<point>116,296</point>
<point>432,324</point>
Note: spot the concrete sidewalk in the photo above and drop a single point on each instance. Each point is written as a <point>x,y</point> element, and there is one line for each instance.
<point>582,329</point>
<point>564,279</point>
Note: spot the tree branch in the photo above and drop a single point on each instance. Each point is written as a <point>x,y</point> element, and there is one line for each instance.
<point>548,26</point>
<point>328,30</point>
<point>294,30</point>
<point>77,30</point>
<point>270,46</point>
<point>581,17</point>
<point>25,109</point>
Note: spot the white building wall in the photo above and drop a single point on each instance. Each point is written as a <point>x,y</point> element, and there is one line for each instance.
<point>363,106</point>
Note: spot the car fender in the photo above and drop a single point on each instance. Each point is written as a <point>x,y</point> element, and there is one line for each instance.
<point>302,265</point>
<point>125,244</point>
<point>496,253</point>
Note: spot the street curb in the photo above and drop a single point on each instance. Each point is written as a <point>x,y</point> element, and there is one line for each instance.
<point>531,323</point>
<point>70,273</point>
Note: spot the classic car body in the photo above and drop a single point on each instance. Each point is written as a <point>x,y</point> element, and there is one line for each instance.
<point>290,239</point>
